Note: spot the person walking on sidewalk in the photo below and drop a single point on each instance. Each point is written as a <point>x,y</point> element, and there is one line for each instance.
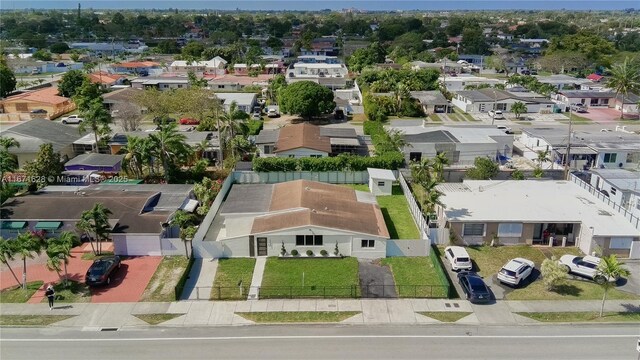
<point>50,293</point>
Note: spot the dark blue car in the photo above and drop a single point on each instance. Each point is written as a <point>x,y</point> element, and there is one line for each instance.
<point>474,287</point>
<point>102,270</point>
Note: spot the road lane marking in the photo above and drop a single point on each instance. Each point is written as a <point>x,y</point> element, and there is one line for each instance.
<point>320,337</point>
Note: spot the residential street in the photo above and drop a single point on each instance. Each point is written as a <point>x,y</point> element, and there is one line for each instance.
<point>328,342</point>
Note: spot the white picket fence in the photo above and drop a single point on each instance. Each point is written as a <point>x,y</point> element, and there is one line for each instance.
<point>416,213</point>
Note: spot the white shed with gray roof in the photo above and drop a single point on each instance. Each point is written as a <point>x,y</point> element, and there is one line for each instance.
<point>381,181</point>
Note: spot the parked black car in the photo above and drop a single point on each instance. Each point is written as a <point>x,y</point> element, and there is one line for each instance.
<point>102,270</point>
<point>39,111</point>
<point>474,287</point>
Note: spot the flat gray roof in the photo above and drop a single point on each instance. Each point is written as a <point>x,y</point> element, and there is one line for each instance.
<point>93,159</point>
<point>242,99</point>
<point>382,174</point>
<point>267,136</point>
<point>248,198</point>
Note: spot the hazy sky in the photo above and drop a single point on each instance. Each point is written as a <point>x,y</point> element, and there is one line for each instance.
<point>334,5</point>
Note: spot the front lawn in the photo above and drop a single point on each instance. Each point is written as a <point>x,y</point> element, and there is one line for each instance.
<point>229,273</point>
<point>17,295</point>
<point>571,290</point>
<point>31,320</point>
<point>411,271</point>
<point>331,277</point>
<point>489,260</point>
<point>395,210</point>
<point>583,316</point>
<point>297,316</point>
<point>72,292</point>
<point>358,187</point>
<point>445,316</point>
<point>162,285</point>
<point>155,319</point>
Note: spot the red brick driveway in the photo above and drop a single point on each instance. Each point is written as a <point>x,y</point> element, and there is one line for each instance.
<point>127,285</point>
<point>602,115</point>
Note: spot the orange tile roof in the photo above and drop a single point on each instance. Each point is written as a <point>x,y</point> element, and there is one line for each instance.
<point>137,64</point>
<point>320,204</point>
<point>302,136</point>
<point>47,96</point>
<point>102,77</point>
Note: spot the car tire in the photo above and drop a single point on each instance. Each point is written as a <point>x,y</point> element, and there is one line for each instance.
<point>599,279</point>
<point>80,122</point>
<point>64,122</point>
<point>568,269</point>
<point>109,281</point>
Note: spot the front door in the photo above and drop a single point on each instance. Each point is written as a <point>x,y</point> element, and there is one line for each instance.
<point>262,246</point>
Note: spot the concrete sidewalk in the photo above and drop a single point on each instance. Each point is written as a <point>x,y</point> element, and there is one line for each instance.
<point>202,274</point>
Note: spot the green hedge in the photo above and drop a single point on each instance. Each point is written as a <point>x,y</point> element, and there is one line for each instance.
<point>254,126</point>
<point>183,279</point>
<point>342,162</point>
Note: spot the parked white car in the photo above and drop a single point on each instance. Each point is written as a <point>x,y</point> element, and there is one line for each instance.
<point>72,119</point>
<point>458,258</point>
<point>498,115</point>
<point>586,266</point>
<point>272,113</point>
<point>516,271</point>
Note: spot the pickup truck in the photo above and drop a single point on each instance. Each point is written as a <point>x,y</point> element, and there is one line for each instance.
<point>72,119</point>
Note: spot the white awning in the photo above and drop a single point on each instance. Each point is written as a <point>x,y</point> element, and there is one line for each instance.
<point>190,205</point>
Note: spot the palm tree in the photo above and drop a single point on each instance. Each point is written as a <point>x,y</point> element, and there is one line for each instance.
<point>95,221</point>
<point>134,155</point>
<point>27,244</point>
<point>625,79</point>
<point>430,200</point>
<point>421,171</point>
<point>542,157</point>
<point>609,268</point>
<point>184,221</point>
<point>7,250</point>
<point>59,250</point>
<point>518,108</point>
<point>439,162</point>
<point>96,118</point>
<point>170,147</point>
<point>401,93</point>
<point>8,161</point>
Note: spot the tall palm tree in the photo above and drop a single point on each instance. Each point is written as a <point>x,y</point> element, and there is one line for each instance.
<point>7,250</point>
<point>542,157</point>
<point>170,147</point>
<point>96,118</point>
<point>8,161</point>
<point>184,221</point>
<point>625,79</point>
<point>95,221</point>
<point>134,155</point>
<point>421,171</point>
<point>439,162</point>
<point>401,93</point>
<point>59,250</point>
<point>27,245</point>
<point>609,268</point>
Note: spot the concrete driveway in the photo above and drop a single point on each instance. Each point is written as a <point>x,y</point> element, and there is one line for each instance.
<point>632,283</point>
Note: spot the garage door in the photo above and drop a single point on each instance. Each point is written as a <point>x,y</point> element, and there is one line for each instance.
<point>142,245</point>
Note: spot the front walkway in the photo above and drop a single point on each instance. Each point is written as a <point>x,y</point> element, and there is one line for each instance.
<point>202,275</point>
<point>256,279</point>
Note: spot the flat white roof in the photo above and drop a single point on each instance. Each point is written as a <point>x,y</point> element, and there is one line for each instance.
<point>532,201</point>
<point>382,174</point>
<point>471,78</point>
<point>464,134</point>
<point>318,65</point>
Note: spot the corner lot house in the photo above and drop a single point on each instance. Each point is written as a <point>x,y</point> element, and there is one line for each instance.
<point>138,214</point>
<point>307,140</point>
<point>620,186</point>
<point>46,99</point>
<point>483,100</point>
<point>32,134</point>
<point>534,212</point>
<point>258,219</point>
<point>460,144</point>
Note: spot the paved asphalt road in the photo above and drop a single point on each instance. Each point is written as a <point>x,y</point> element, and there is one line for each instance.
<point>327,342</point>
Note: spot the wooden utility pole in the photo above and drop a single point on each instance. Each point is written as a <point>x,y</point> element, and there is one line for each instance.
<point>567,159</point>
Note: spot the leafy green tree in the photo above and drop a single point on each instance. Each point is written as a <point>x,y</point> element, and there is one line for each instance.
<point>609,268</point>
<point>168,47</point>
<point>538,173</point>
<point>542,157</point>
<point>95,223</point>
<point>274,43</point>
<point>7,252</point>
<point>193,49</point>
<point>276,85</point>
<point>42,54</point>
<point>592,45</point>
<point>96,118</point>
<point>7,80</point>
<point>46,167</point>
<point>26,246</point>
<point>307,99</point>
<point>517,175</point>
<point>363,57</point>
<point>194,81</point>
<point>59,48</point>
<point>170,147</point>
<point>185,222</point>
<point>553,273</point>
<point>625,79</point>
<point>71,82</point>
<point>58,250</point>
<point>8,161</point>
<point>518,108</point>
<point>483,169</point>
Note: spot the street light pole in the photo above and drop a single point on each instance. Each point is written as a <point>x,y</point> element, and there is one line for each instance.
<point>567,160</point>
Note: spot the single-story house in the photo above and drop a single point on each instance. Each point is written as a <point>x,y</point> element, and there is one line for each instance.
<point>137,68</point>
<point>600,150</point>
<point>161,83</point>
<point>139,219</point>
<point>106,163</point>
<point>629,102</point>
<point>29,66</point>
<point>307,140</point>
<point>460,144</point>
<point>214,66</point>
<point>193,138</point>
<point>301,215</point>
<point>106,79</point>
<point>34,133</point>
<point>231,82</point>
<point>458,83</point>
<point>432,101</point>
<point>535,212</point>
<point>245,101</point>
<point>483,100</point>
<point>561,81</point>
<point>45,99</point>
<point>243,69</point>
<point>120,96</point>
<point>620,186</point>
<point>587,98</point>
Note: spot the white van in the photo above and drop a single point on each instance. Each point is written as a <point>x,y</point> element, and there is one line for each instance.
<point>458,258</point>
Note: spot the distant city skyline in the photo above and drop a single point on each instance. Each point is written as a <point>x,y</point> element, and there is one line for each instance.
<point>301,5</point>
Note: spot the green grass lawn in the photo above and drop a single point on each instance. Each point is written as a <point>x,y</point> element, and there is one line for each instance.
<point>155,319</point>
<point>15,294</point>
<point>359,187</point>
<point>489,260</point>
<point>92,256</point>
<point>162,285</point>
<point>73,292</point>
<point>445,316</point>
<point>411,271</point>
<point>395,210</point>
<point>228,274</point>
<point>31,320</point>
<point>583,316</point>
<point>435,118</point>
<point>297,316</point>
<point>469,117</point>
<point>334,277</point>
<point>454,117</point>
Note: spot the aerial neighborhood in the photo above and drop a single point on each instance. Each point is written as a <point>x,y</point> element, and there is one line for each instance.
<point>181,155</point>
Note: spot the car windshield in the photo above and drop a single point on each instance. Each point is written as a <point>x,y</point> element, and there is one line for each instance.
<point>577,260</point>
<point>477,285</point>
<point>508,272</point>
<point>99,267</point>
<point>462,259</point>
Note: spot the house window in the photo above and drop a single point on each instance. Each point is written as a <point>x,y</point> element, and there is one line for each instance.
<point>510,230</point>
<point>315,156</point>
<point>220,86</point>
<point>268,149</point>
<point>22,107</point>
<point>613,191</point>
<point>473,230</point>
<point>620,243</point>
<point>610,158</point>
<point>380,183</point>
<point>368,244</point>
<point>179,86</point>
<point>593,102</point>
<point>292,156</point>
<point>309,240</point>
<point>502,107</point>
<point>605,101</point>
<point>415,156</point>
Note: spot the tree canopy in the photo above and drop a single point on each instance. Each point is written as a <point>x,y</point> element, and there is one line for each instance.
<point>71,82</point>
<point>307,99</point>
<point>7,80</point>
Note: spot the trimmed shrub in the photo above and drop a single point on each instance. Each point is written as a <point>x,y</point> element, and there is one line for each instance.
<point>294,252</point>
<point>323,252</point>
<point>309,253</point>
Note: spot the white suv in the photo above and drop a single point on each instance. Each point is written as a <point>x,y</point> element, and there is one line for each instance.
<point>496,114</point>
<point>458,258</point>
<point>586,266</point>
<point>515,271</point>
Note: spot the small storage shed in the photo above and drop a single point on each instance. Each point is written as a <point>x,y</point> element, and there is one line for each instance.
<point>380,181</point>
